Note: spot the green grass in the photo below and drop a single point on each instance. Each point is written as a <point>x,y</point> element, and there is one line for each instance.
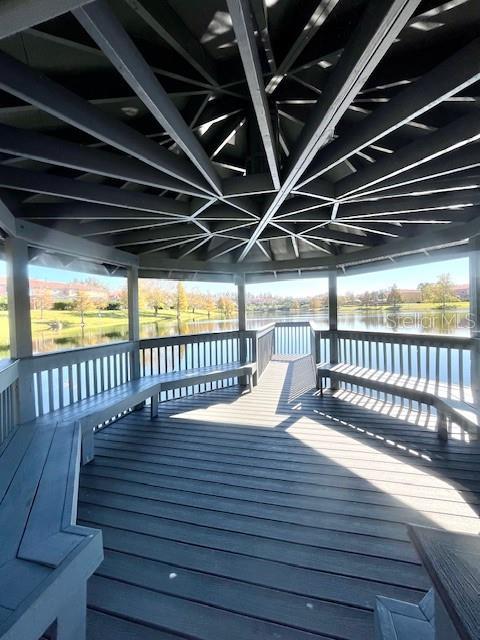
<point>462,305</point>
<point>70,321</point>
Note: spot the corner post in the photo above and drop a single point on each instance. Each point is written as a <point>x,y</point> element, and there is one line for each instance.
<point>242,323</point>
<point>134,319</point>
<point>20,325</point>
<point>333,320</point>
<point>474,294</point>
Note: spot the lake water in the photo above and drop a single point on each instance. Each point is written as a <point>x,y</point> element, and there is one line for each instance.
<point>452,322</point>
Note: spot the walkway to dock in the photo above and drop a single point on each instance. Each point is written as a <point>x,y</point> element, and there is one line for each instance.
<point>271,515</point>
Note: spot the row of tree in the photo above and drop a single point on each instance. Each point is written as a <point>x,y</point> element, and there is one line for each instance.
<point>441,292</point>
<point>90,295</point>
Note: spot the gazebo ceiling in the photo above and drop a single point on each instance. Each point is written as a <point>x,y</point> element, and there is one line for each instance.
<point>231,136</point>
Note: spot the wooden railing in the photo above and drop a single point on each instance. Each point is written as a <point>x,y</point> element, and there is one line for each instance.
<point>444,360</point>
<point>263,347</point>
<point>181,353</point>
<point>8,397</point>
<point>293,338</point>
<point>64,377</point>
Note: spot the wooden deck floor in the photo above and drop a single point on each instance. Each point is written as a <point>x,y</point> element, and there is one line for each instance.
<point>275,514</point>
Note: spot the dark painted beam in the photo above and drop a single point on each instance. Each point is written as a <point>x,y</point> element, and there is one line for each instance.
<point>243,27</point>
<point>380,25</point>
<point>459,133</point>
<point>18,15</point>
<point>445,80</point>
<point>86,211</point>
<point>315,21</point>
<point>48,184</point>
<point>107,31</point>
<point>36,89</point>
<point>38,146</point>
<point>412,204</point>
<point>168,26</point>
<point>156,234</point>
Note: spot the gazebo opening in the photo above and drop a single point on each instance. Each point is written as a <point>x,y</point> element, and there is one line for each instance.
<point>239,319</point>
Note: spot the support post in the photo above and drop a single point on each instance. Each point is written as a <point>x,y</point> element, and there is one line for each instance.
<point>134,319</point>
<point>20,325</point>
<point>333,321</point>
<point>242,324</point>
<point>474,294</point>
<point>134,326</point>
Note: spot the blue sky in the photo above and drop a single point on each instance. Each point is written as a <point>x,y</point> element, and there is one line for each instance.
<point>404,277</point>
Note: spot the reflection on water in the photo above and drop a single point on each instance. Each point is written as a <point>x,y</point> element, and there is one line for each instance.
<point>433,321</point>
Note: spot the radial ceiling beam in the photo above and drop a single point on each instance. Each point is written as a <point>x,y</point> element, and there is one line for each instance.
<point>459,133</point>
<point>86,211</point>
<point>107,31</point>
<point>17,15</point>
<point>410,204</point>
<point>379,27</point>
<point>427,187</point>
<point>260,13</point>
<point>48,184</point>
<point>38,146</point>
<point>243,27</point>
<point>156,234</point>
<point>222,249</point>
<point>448,78</point>
<point>36,89</point>
<point>316,20</point>
<point>466,159</point>
<point>163,20</point>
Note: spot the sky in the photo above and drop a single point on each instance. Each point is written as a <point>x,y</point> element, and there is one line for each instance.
<point>403,277</point>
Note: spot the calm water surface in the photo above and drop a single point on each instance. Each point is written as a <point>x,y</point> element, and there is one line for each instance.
<point>434,322</point>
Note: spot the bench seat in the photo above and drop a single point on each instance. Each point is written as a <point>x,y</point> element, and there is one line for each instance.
<point>449,400</point>
<point>45,558</point>
<point>451,609</point>
<point>99,408</point>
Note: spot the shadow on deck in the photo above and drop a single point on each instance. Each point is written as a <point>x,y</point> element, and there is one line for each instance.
<point>275,514</point>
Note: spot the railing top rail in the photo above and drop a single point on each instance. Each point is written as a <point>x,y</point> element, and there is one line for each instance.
<point>423,339</point>
<point>294,323</point>
<point>261,331</point>
<point>189,338</point>
<point>74,356</point>
<point>8,373</point>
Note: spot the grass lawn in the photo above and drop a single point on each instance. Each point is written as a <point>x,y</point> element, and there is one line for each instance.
<point>69,322</point>
<point>461,305</point>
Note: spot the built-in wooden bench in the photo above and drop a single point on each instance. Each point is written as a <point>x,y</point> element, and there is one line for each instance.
<point>451,609</point>
<point>99,408</point>
<point>449,401</point>
<point>45,558</point>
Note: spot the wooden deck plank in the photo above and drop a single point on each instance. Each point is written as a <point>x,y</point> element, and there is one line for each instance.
<point>262,504</point>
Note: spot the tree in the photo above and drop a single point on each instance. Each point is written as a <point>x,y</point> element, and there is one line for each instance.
<point>195,301</point>
<point>444,291</point>
<point>155,297</point>
<point>83,302</point>
<point>394,298</point>
<point>44,299</point>
<point>182,300</point>
<point>428,291</point>
<point>226,305</point>
<point>210,304</point>
<point>295,305</point>
<point>367,299</point>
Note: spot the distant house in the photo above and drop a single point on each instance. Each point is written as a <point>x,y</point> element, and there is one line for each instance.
<point>410,295</point>
<point>58,291</point>
<point>461,291</point>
